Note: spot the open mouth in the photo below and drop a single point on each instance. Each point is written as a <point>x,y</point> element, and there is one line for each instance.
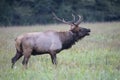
<point>88,33</point>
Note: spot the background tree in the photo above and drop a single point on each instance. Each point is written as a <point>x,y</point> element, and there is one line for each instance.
<point>30,12</point>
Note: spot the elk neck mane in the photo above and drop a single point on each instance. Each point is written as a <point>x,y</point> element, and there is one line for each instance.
<point>68,39</point>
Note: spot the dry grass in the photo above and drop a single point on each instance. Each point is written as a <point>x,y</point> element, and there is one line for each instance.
<point>96,57</point>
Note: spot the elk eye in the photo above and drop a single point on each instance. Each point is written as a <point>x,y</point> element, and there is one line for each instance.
<point>79,29</point>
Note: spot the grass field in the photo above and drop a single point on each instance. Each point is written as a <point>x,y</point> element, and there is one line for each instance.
<point>96,57</point>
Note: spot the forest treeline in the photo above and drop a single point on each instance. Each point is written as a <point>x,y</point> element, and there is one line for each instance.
<point>30,12</point>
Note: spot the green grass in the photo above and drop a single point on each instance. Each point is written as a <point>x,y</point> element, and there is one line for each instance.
<point>96,57</point>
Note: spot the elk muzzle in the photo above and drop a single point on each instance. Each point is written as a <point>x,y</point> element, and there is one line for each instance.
<point>88,31</point>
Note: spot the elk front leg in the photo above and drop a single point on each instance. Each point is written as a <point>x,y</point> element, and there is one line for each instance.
<point>53,57</point>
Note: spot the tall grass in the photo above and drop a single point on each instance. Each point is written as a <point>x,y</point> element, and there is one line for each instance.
<point>96,57</point>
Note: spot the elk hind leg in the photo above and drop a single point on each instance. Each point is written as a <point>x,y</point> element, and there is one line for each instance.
<point>25,61</point>
<point>27,54</point>
<point>17,56</point>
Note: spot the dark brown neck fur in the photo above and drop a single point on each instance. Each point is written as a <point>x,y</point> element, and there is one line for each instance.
<point>67,39</point>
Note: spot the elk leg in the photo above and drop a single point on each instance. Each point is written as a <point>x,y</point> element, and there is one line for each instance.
<point>53,58</point>
<point>27,53</point>
<point>15,58</point>
<point>25,61</point>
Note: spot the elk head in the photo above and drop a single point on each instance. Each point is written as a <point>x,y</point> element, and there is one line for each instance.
<point>78,31</point>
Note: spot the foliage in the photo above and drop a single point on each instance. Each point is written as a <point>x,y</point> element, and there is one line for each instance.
<point>30,12</point>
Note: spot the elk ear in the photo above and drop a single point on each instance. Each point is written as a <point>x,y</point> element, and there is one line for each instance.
<point>72,26</point>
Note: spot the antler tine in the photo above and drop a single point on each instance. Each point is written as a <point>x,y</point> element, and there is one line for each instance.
<point>79,20</point>
<point>62,20</point>
<point>73,18</point>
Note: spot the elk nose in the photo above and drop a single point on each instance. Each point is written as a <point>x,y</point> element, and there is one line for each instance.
<point>89,30</point>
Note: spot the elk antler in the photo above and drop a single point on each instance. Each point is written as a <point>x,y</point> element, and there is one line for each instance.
<point>79,20</point>
<point>73,18</point>
<point>63,20</point>
<point>69,22</point>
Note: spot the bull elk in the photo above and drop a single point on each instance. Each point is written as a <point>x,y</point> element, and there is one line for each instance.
<point>48,42</point>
